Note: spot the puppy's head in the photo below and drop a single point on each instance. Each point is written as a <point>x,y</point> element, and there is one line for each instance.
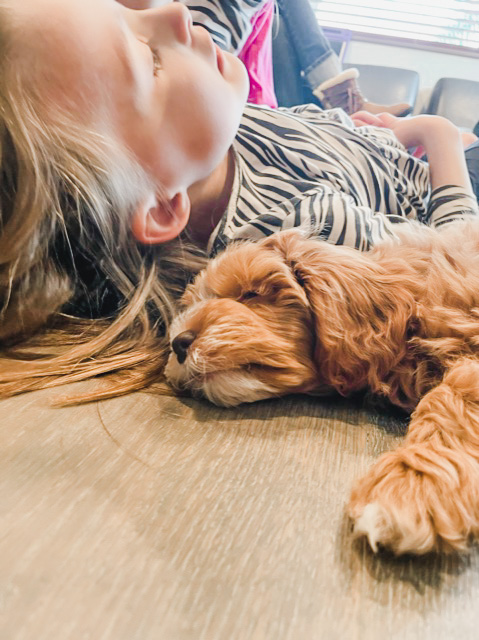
<point>245,331</point>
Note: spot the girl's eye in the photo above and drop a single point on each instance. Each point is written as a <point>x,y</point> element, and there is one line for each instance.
<point>156,61</point>
<point>154,56</point>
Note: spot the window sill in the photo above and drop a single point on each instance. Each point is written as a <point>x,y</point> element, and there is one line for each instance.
<point>411,43</point>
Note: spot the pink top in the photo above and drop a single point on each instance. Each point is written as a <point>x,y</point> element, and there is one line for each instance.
<point>258,59</point>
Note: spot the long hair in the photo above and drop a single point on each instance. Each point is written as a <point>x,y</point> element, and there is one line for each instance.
<point>78,296</point>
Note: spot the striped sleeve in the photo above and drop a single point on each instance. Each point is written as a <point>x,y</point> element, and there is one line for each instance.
<point>228,21</point>
<point>449,204</point>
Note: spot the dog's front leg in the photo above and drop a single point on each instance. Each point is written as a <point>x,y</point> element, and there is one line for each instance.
<point>424,496</point>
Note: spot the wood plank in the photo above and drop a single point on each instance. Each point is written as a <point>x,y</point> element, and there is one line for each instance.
<point>164,518</point>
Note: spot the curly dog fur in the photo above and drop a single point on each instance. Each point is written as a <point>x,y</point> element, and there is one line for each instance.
<point>292,314</point>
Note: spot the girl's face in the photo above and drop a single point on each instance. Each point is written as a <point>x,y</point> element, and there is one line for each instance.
<point>150,79</point>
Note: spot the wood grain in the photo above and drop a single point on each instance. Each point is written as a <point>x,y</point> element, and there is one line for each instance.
<point>146,518</point>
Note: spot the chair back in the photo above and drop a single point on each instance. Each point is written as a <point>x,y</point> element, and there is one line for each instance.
<point>457,100</point>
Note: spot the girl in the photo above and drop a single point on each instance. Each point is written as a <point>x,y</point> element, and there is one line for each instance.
<point>127,150</point>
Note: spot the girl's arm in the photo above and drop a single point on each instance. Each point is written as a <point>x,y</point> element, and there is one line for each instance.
<point>442,143</point>
<point>452,196</point>
<point>441,140</point>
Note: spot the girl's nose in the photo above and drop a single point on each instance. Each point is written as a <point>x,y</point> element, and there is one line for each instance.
<point>173,17</point>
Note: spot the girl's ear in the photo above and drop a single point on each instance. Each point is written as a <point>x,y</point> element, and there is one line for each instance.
<point>155,222</point>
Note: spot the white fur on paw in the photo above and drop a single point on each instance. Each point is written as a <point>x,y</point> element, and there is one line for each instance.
<point>375,524</point>
<point>399,530</point>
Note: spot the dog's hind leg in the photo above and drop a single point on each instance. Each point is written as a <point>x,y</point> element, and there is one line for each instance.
<point>424,496</point>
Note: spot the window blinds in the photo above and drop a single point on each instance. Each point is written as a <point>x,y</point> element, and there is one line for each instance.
<point>446,22</point>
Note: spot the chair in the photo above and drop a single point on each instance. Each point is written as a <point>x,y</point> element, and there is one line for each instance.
<point>387,85</point>
<point>457,100</point>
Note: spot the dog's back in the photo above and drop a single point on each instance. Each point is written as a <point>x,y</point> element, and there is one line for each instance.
<point>446,264</point>
<point>394,318</point>
<point>445,325</point>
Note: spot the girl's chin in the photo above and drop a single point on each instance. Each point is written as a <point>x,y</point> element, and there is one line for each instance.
<point>235,72</point>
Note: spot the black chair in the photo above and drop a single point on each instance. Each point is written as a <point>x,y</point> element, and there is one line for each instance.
<point>385,85</point>
<point>457,100</point>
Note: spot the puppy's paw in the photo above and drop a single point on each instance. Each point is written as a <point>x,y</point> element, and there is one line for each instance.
<point>374,523</point>
<point>417,500</point>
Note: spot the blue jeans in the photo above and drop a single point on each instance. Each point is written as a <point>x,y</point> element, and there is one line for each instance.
<point>317,59</point>
<point>472,161</point>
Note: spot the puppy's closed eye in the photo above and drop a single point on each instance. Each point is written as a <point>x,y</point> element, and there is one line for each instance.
<point>248,295</point>
<point>263,291</point>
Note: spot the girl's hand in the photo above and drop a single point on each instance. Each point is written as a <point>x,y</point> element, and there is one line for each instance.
<point>425,130</point>
<point>364,119</point>
<point>411,132</point>
<point>387,121</point>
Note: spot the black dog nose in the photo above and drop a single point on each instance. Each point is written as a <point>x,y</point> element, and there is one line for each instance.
<point>181,344</point>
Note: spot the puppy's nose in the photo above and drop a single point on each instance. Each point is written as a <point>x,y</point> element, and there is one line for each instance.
<point>181,344</point>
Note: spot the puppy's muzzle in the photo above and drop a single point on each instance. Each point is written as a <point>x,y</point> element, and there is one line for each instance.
<point>182,343</point>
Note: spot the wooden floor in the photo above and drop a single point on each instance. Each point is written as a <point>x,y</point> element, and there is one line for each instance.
<point>149,518</point>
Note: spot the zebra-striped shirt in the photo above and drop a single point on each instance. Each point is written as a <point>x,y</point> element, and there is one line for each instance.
<point>228,21</point>
<point>349,185</point>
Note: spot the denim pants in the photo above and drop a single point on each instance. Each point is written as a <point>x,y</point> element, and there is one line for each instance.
<point>472,161</point>
<point>317,59</point>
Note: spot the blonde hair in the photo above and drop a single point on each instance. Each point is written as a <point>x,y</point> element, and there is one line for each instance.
<point>78,297</point>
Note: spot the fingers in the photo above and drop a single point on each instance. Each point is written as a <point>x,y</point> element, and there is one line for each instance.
<point>387,120</point>
<point>359,123</point>
<point>366,118</point>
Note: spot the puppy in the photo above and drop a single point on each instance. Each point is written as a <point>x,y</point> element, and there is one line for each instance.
<point>292,314</point>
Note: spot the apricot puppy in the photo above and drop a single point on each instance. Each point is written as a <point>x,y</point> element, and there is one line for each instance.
<point>292,314</point>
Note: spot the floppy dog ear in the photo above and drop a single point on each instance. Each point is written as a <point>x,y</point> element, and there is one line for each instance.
<point>363,314</point>
<point>286,243</point>
<point>362,311</point>
<point>291,247</point>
